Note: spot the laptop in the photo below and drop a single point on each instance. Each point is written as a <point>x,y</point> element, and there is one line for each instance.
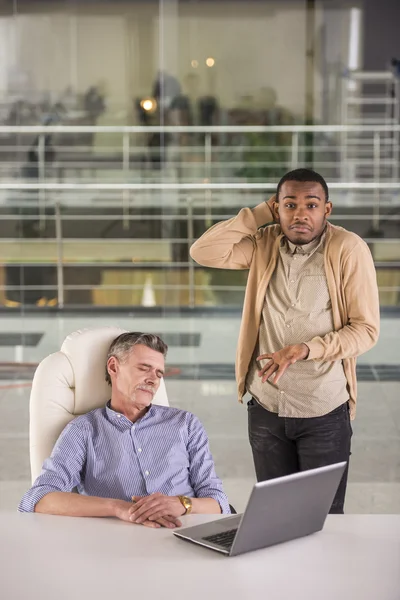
<point>278,510</point>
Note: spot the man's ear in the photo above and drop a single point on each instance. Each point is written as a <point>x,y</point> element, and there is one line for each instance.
<point>328,208</point>
<point>112,365</point>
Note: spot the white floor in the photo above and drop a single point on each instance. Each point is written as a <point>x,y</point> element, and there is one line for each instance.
<point>374,484</point>
<point>218,336</point>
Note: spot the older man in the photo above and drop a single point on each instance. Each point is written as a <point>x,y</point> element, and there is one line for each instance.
<point>133,460</point>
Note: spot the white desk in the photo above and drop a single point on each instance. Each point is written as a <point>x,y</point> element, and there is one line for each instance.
<point>355,557</point>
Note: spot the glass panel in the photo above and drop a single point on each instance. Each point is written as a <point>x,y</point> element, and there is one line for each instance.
<point>158,120</point>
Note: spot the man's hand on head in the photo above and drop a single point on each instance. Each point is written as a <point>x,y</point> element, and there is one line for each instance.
<point>271,204</point>
<point>279,362</point>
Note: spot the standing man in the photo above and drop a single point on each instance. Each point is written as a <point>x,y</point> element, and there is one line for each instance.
<point>311,307</point>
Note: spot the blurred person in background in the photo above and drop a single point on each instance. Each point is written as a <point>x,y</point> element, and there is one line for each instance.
<point>94,104</point>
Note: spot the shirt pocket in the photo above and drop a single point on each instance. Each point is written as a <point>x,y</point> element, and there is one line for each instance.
<point>313,294</point>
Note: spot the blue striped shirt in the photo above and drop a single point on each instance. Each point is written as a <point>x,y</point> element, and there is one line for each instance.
<point>104,454</point>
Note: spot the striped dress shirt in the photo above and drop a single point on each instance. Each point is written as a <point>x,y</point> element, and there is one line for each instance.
<point>104,454</point>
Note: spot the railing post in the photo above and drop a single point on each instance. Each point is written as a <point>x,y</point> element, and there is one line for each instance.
<point>42,176</point>
<point>396,133</point>
<point>377,176</point>
<point>295,150</point>
<point>60,258</point>
<point>207,178</point>
<point>125,170</point>
<point>190,235</point>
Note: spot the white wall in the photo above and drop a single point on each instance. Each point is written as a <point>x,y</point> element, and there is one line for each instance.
<point>254,48</point>
<point>255,45</point>
<point>53,51</point>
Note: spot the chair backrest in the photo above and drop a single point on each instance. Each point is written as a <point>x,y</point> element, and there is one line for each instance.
<point>69,383</point>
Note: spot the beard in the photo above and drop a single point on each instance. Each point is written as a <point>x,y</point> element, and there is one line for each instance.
<point>148,391</point>
<point>302,240</point>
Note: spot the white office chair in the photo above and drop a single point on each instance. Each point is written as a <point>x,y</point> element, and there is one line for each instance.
<point>69,383</point>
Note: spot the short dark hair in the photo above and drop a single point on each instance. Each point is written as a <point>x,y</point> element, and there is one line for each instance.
<point>122,345</point>
<point>303,176</point>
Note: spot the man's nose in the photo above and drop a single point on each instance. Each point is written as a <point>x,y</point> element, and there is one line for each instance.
<point>300,214</point>
<point>151,378</point>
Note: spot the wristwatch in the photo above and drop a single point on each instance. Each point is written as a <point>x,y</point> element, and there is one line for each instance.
<point>187,503</point>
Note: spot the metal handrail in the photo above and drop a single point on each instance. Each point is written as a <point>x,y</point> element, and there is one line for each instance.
<point>174,217</point>
<point>206,186</point>
<point>153,240</point>
<point>196,128</point>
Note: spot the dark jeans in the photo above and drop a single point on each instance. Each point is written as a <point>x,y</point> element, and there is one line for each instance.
<point>282,445</point>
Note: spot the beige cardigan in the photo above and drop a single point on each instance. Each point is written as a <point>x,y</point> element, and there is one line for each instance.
<point>244,242</point>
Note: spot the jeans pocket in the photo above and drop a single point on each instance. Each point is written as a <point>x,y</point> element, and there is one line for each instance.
<point>342,410</point>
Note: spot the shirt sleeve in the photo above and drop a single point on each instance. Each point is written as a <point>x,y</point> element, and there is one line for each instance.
<point>230,244</point>
<point>203,477</point>
<point>361,297</point>
<point>62,471</point>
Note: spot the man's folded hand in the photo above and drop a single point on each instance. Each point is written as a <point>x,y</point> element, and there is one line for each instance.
<point>155,507</point>
<point>136,513</point>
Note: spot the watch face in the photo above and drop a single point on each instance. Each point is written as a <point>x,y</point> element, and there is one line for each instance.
<point>187,503</point>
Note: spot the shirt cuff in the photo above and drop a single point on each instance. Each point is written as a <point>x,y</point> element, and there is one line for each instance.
<point>316,350</point>
<point>222,500</point>
<point>33,496</point>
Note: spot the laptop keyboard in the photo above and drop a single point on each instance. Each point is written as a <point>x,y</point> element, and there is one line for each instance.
<point>224,539</point>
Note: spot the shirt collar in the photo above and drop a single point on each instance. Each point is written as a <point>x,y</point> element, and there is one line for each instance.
<point>120,421</point>
<point>306,249</point>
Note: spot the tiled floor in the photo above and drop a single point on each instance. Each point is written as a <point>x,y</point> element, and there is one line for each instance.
<point>374,484</point>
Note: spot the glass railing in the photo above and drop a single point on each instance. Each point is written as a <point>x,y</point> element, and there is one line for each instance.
<point>108,225</point>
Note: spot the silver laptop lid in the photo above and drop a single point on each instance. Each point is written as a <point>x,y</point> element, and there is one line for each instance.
<point>288,507</point>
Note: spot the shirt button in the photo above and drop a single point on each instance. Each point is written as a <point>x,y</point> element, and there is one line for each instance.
<point>292,281</point>
<point>281,393</point>
<point>139,449</point>
<point>294,304</point>
<point>118,416</point>
<point>294,257</point>
<point>287,325</point>
<point>146,473</point>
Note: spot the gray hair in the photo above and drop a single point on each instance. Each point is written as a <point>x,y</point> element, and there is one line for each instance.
<point>124,343</point>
